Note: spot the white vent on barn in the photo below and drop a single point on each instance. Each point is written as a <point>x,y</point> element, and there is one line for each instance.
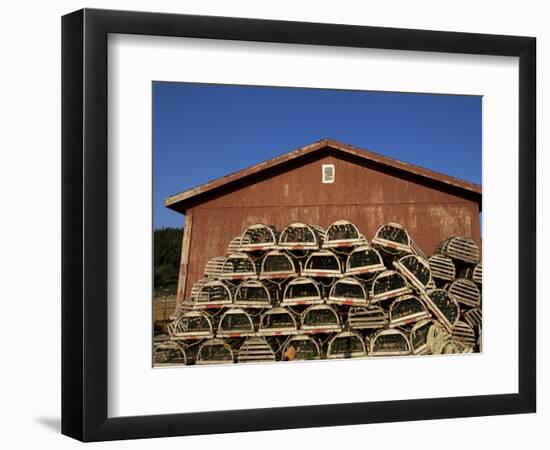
<point>329,173</point>
<point>168,353</point>
<point>348,291</point>
<point>192,325</point>
<point>238,266</point>
<point>320,319</point>
<point>442,267</point>
<point>278,265</point>
<point>461,248</point>
<point>465,292</point>
<point>346,344</point>
<point>235,323</point>
<point>214,351</point>
<point>343,233</point>
<point>301,291</point>
<point>419,336</point>
<point>390,342</point>
<point>214,294</point>
<point>443,306</point>
<point>360,318</point>
<point>301,348</point>
<point>277,322</point>
<point>364,261</point>
<point>392,238</point>
<point>254,294</point>
<point>415,269</point>
<point>255,349</point>
<point>388,284</point>
<point>259,238</point>
<point>321,264</point>
<point>407,310</point>
<point>299,236</point>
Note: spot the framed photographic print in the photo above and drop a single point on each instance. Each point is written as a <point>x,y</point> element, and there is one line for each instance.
<point>273,224</point>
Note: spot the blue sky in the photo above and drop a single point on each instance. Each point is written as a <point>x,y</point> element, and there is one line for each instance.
<point>202,132</point>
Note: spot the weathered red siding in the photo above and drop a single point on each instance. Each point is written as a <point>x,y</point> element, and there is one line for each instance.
<point>365,195</point>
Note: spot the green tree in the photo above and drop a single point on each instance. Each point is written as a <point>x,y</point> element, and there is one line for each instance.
<point>166,259</point>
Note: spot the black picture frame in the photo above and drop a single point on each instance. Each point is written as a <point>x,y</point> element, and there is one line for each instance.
<point>84,224</point>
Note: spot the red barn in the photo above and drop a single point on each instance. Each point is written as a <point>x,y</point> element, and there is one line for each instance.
<point>319,184</point>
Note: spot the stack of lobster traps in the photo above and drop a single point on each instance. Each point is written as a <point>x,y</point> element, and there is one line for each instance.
<point>305,293</point>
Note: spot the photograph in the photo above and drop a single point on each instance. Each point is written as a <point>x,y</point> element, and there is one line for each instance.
<point>299,224</point>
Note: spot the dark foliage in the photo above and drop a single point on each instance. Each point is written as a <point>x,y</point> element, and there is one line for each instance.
<point>166,259</point>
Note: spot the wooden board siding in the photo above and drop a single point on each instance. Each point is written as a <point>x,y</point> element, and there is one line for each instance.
<point>361,194</point>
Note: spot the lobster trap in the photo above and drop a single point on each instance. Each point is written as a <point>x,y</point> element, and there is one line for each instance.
<point>465,292</point>
<point>415,269</point>
<point>192,325</point>
<point>348,291</point>
<point>343,234</point>
<point>443,305</point>
<point>462,332</point>
<point>388,284</point>
<point>390,342</point>
<point>461,248</point>
<point>214,294</point>
<point>474,273</point>
<point>419,336</point>
<point>323,264</point>
<point>320,319</point>
<point>166,354</point>
<point>238,266</point>
<point>235,322</point>
<point>474,318</point>
<point>277,322</point>
<point>406,310</point>
<point>278,265</point>
<point>301,348</point>
<point>214,267</point>
<point>360,318</point>
<point>301,291</point>
<point>442,268</point>
<point>214,351</point>
<point>258,238</point>
<point>299,236</point>
<point>234,245</point>
<point>364,261</point>
<point>346,344</point>
<point>392,238</point>
<point>255,294</point>
<point>255,349</point>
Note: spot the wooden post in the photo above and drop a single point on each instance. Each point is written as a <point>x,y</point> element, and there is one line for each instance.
<point>184,259</point>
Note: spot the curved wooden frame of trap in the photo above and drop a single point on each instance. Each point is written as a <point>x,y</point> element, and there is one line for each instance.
<point>364,270</point>
<point>301,245</point>
<point>321,328</point>
<point>346,335</point>
<point>421,349</point>
<point>425,296</point>
<point>377,298</point>
<point>212,343</point>
<point>259,246</point>
<point>301,337</point>
<point>278,275</point>
<point>346,242</point>
<point>389,245</point>
<point>322,273</point>
<point>475,273</point>
<point>173,346</point>
<point>461,248</point>
<point>474,317</point>
<point>386,332</point>
<point>177,334</point>
<point>293,301</point>
<point>465,292</point>
<point>232,333</point>
<point>408,273</point>
<point>276,331</point>
<point>409,318</point>
<point>251,273</point>
<point>333,299</point>
<point>442,267</point>
<point>366,318</point>
<point>251,303</point>
<point>463,333</point>
<point>214,304</point>
<point>255,349</point>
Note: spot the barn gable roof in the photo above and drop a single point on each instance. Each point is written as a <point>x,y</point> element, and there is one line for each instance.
<point>182,201</point>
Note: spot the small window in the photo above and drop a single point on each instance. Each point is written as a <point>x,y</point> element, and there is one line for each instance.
<point>328,173</point>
